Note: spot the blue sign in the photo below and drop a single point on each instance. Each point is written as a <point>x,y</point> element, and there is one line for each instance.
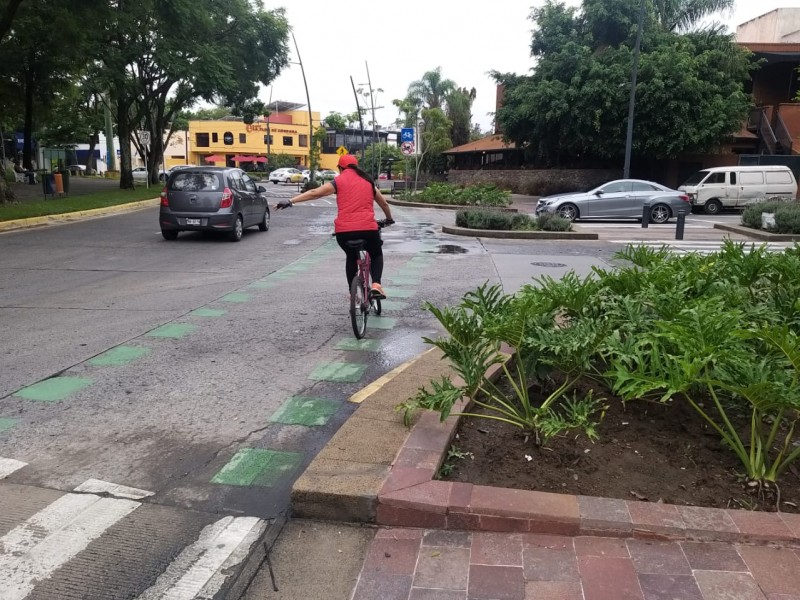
<point>407,134</point>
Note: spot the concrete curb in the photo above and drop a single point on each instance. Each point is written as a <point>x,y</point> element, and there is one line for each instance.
<point>519,235</point>
<point>445,206</point>
<point>15,224</point>
<point>758,234</point>
<point>399,490</point>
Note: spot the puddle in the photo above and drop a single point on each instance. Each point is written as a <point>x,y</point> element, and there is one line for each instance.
<point>447,249</point>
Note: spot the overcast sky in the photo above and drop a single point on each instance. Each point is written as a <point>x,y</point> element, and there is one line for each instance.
<point>402,40</point>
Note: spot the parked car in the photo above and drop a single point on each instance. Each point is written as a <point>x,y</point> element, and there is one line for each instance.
<point>736,187</point>
<point>327,174</point>
<point>140,174</point>
<point>623,199</point>
<point>212,199</point>
<point>76,169</point>
<point>283,175</point>
<point>305,176</point>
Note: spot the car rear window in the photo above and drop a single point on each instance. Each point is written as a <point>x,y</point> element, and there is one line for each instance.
<point>196,182</point>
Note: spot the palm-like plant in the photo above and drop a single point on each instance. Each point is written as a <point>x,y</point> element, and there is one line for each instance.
<point>684,14</point>
<point>431,90</point>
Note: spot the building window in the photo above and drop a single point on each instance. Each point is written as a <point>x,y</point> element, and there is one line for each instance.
<point>214,138</point>
<point>242,138</point>
<point>201,140</point>
<point>268,139</point>
<point>288,140</point>
<point>303,141</point>
<point>227,138</point>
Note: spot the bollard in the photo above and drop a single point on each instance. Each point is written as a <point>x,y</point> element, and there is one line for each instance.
<point>679,227</point>
<point>645,216</point>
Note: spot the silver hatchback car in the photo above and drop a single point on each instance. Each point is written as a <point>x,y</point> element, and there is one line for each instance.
<point>619,199</point>
<point>212,199</point>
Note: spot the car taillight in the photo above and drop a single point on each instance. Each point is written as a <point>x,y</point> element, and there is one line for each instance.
<point>164,199</point>
<point>684,197</point>
<point>227,198</point>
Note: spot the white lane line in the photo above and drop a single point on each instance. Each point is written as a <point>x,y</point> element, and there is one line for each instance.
<point>33,550</point>
<point>328,202</point>
<point>97,486</point>
<point>195,574</point>
<point>9,465</point>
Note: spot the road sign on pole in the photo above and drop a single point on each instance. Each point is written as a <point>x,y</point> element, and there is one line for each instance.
<point>144,137</point>
<point>407,134</point>
<point>407,148</point>
<point>341,150</point>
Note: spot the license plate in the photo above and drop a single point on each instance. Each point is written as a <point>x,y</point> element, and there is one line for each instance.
<point>193,221</point>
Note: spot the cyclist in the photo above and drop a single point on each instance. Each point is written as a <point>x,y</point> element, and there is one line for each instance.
<point>355,192</point>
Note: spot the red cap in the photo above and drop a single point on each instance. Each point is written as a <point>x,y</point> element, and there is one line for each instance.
<point>345,160</point>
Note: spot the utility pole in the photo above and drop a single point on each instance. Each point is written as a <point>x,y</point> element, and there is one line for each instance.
<point>312,168</point>
<point>360,118</point>
<point>626,173</point>
<point>374,122</point>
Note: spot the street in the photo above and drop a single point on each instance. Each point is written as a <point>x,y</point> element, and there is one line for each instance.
<point>166,394</point>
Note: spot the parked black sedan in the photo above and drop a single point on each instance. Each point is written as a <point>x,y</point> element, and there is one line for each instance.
<point>212,199</point>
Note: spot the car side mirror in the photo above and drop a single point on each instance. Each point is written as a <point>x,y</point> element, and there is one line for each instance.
<point>261,189</point>
<point>598,193</point>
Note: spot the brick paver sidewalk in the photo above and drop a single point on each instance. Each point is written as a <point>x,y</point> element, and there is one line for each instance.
<point>413,564</point>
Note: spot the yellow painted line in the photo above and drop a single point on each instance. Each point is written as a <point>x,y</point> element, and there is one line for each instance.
<point>376,385</point>
<point>74,216</point>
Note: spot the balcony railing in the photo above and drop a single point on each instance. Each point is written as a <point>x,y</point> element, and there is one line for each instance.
<point>783,135</point>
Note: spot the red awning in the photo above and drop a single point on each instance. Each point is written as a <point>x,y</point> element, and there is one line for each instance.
<point>242,158</point>
<point>214,158</point>
<point>260,159</point>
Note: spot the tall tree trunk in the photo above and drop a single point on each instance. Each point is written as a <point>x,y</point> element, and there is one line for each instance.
<point>27,146</point>
<point>124,135</point>
<point>6,193</point>
<point>7,16</point>
<point>91,162</point>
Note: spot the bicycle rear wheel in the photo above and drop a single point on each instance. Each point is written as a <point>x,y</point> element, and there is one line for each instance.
<point>359,307</point>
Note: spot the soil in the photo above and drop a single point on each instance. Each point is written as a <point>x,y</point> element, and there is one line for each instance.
<point>646,451</point>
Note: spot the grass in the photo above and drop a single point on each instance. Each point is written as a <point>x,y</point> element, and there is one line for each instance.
<point>57,206</point>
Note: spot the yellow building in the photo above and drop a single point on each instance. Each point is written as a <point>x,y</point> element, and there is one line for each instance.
<point>229,142</point>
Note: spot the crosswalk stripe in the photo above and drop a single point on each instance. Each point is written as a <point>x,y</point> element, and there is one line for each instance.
<point>9,465</point>
<point>97,486</point>
<point>196,572</point>
<point>35,549</point>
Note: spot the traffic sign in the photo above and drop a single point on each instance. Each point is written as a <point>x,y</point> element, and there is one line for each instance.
<point>341,150</point>
<point>407,148</point>
<point>407,134</point>
<point>144,137</point>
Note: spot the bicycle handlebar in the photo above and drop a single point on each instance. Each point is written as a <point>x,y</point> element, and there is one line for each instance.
<point>385,223</point>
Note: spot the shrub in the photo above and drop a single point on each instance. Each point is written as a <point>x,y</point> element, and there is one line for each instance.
<point>751,217</point>
<point>787,218</point>
<point>9,175</point>
<point>482,194</point>
<point>552,222</point>
<point>494,219</point>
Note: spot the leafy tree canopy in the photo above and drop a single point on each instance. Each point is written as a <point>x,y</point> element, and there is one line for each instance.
<point>335,121</point>
<point>689,97</point>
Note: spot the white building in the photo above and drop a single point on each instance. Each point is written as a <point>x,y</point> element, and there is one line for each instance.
<point>780,26</point>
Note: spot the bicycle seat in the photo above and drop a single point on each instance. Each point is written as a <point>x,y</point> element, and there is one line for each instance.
<point>356,244</point>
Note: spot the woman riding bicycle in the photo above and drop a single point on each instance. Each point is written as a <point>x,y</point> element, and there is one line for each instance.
<point>355,192</point>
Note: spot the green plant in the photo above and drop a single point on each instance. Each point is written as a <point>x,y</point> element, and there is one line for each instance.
<point>787,218</point>
<point>552,222</point>
<point>494,219</point>
<point>9,175</point>
<point>751,216</point>
<point>449,463</point>
<point>482,194</point>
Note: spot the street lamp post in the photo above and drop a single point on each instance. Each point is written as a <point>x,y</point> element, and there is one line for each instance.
<point>632,103</point>
<point>312,168</point>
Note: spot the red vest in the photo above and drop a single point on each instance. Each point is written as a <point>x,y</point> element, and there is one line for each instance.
<point>354,198</point>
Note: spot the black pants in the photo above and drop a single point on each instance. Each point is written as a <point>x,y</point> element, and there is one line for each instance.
<point>372,244</point>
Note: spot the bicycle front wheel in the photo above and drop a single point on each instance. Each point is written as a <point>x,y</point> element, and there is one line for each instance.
<point>359,307</point>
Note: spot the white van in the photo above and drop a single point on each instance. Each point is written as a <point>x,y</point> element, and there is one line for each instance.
<point>736,187</point>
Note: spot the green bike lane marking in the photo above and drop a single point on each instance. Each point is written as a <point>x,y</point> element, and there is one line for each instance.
<point>119,355</point>
<point>53,389</point>
<point>393,292</point>
<point>338,372</point>
<point>258,466</point>
<point>392,305</point>
<point>397,280</point>
<point>172,330</point>
<point>359,345</point>
<point>262,284</point>
<point>381,323</point>
<point>302,410</point>
<point>238,297</point>
<point>6,424</point>
<point>208,312</point>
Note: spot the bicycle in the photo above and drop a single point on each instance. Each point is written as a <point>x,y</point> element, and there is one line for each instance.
<point>362,303</point>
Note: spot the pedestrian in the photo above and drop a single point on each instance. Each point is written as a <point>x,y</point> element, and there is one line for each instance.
<point>355,220</point>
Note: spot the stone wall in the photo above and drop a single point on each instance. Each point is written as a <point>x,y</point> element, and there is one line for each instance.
<point>536,182</point>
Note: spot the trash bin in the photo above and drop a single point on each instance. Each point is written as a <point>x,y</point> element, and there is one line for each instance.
<point>59,183</point>
<point>48,184</point>
<point>65,177</point>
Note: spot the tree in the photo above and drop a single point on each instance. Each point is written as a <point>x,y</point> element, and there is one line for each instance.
<point>7,16</point>
<point>435,140</point>
<point>157,57</point>
<point>573,108</point>
<point>335,121</point>
<point>676,15</point>
<point>459,111</point>
<point>379,153</point>
<point>431,90</point>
